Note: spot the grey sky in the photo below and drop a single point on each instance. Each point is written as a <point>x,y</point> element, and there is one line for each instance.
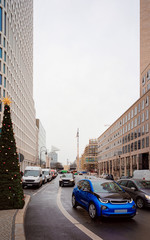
<point>86,67</point>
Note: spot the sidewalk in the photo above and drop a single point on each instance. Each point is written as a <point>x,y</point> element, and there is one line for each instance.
<point>12,223</point>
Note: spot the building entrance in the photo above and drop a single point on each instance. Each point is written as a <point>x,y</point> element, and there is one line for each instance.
<point>144,161</point>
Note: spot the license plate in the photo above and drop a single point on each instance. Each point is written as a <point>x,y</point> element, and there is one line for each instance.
<point>121,211</point>
<point>29,185</point>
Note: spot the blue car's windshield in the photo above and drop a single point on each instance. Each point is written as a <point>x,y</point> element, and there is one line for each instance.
<point>106,187</point>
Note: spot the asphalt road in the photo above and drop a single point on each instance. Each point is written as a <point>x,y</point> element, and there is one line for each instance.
<point>50,216</point>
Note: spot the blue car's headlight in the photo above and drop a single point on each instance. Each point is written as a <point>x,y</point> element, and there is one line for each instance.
<point>103,200</point>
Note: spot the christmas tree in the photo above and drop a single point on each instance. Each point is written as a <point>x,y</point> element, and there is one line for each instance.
<point>11,192</point>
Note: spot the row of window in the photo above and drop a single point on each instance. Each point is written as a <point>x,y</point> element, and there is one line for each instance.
<point>137,109</point>
<point>143,143</point>
<point>146,76</point>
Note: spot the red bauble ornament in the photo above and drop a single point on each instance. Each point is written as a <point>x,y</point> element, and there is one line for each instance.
<point>9,187</point>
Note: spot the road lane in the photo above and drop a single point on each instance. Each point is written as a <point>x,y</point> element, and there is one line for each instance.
<point>44,220</point>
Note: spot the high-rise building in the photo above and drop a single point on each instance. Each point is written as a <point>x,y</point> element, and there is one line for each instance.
<point>41,144</point>
<point>124,146</point>
<point>16,73</point>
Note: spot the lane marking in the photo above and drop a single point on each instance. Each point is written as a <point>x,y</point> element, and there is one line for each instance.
<point>42,188</point>
<point>74,221</point>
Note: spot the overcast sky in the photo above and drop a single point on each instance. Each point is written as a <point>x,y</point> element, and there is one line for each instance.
<point>86,68</point>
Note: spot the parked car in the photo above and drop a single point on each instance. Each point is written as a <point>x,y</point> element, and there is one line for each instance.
<point>102,197</point>
<point>90,177</point>
<point>44,179</point>
<point>53,173</point>
<point>138,189</point>
<point>67,179</point>
<point>47,173</point>
<point>32,177</point>
<point>107,176</point>
<point>142,174</point>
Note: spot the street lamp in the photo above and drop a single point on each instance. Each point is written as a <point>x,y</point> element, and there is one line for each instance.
<point>44,150</point>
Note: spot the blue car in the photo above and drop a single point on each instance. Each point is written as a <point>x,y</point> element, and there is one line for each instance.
<point>101,197</point>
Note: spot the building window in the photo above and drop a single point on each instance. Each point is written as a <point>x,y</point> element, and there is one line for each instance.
<point>147,114</point>
<point>131,124</point>
<point>135,134</point>
<point>143,80</point>
<point>132,113</point>
<point>132,136</point>
<point>148,86</point>
<point>5,56</point>
<point>4,42</point>
<point>128,116</point>
<point>135,122</point>
<point>143,130</point>
<point>129,148</point>
<point>4,82</point>
<point>0,107</point>
<point>139,144</point>
<point>139,107</point>
<point>148,75</point>
<point>3,93</point>
<point>129,127</point>
<point>142,104</point>
<point>135,111</point>
<point>147,141</point>
<point>146,128</point>
<point>139,120</point>
<point>0,93</point>
<point>123,130</point>
<point>139,132</point>
<point>143,142</point>
<point>135,146</point>
<point>142,117</point>
<point>129,137</point>
<point>146,101</point>
<point>4,68</point>
<point>143,91</point>
<point>123,121</point>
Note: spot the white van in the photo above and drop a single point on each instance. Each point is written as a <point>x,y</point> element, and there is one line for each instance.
<point>141,174</point>
<point>32,176</point>
<point>47,173</point>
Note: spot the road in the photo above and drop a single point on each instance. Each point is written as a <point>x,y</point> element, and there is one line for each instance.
<point>50,216</point>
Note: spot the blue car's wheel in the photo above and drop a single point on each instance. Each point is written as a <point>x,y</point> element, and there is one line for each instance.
<point>92,211</point>
<point>74,203</point>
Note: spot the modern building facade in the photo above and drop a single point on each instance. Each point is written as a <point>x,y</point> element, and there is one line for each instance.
<point>89,157</point>
<point>124,146</point>
<point>54,158</point>
<point>16,73</point>
<point>41,144</point>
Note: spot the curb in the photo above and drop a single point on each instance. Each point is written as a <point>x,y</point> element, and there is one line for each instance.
<point>19,221</point>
